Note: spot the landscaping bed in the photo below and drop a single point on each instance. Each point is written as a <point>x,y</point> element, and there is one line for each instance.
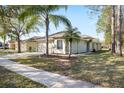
<point>100,68</point>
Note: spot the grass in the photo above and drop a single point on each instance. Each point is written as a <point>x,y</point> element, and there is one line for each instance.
<point>10,79</point>
<point>5,52</point>
<point>99,68</point>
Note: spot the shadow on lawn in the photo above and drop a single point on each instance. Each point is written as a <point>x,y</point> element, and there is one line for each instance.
<point>9,79</point>
<point>99,68</point>
<point>102,69</point>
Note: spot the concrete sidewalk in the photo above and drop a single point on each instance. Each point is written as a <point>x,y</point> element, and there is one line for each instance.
<point>49,79</point>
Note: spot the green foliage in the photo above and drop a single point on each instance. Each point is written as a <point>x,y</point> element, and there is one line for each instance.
<point>107,37</point>
<point>47,16</point>
<point>104,21</point>
<point>57,19</point>
<point>72,34</point>
<point>104,24</point>
<point>10,21</point>
<point>43,10</point>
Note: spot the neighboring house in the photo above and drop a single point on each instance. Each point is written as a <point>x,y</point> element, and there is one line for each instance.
<point>57,44</point>
<point>11,44</point>
<point>28,45</point>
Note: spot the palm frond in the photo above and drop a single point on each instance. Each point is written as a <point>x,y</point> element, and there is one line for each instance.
<point>72,34</point>
<point>57,19</point>
<point>31,10</point>
<point>53,8</point>
<point>31,24</point>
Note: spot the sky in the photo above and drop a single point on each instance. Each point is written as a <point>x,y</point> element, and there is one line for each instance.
<point>80,17</point>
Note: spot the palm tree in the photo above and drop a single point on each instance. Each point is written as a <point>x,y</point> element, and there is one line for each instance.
<point>46,12</point>
<point>72,34</point>
<point>17,27</point>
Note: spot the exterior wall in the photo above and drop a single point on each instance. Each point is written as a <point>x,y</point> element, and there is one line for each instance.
<point>82,46</point>
<point>91,46</point>
<point>32,46</point>
<point>16,46</point>
<point>74,47</point>
<point>25,46</point>
<point>77,47</point>
<point>12,45</point>
<point>61,51</point>
<point>42,47</point>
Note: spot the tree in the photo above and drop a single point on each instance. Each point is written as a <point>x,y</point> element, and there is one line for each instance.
<point>18,27</point>
<point>113,30</point>
<point>46,12</point>
<point>4,24</point>
<point>113,20</point>
<point>119,31</point>
<point>71,34</point>
<point>104,25</point>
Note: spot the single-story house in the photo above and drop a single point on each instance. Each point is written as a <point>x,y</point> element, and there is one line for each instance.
<point>11,44</point>
<point>57,44</point>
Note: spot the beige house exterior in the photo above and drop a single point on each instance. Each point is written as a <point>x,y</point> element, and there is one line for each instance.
<point>11,44</point>
<point>57,44</point>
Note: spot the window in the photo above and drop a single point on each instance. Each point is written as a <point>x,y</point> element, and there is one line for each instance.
<point>59,44</point>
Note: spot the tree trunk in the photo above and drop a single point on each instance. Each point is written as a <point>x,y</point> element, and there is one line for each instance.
<point>47,29</point>
<point>119,32</point>
<point>113,30</point>
<point>4,41</point>
<point>19,44</point>
<point>70,51</point>
<point>77,46</point>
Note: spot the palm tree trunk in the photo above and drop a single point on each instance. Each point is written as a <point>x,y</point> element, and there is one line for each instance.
<point>77,46</point>
<point>119,32</point>
<point>19,43</point>
<point>4,41</point>
<point>113,30</point>
<point>70,51</point>
<point>47,29</point>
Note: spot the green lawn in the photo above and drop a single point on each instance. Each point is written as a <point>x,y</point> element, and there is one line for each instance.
<point>99,68</point>
<point>5,52</point>
<point>10,79</point>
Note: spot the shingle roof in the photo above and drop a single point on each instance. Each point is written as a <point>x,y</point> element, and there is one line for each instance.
<point>34,38</point>
<point>57,35</point>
